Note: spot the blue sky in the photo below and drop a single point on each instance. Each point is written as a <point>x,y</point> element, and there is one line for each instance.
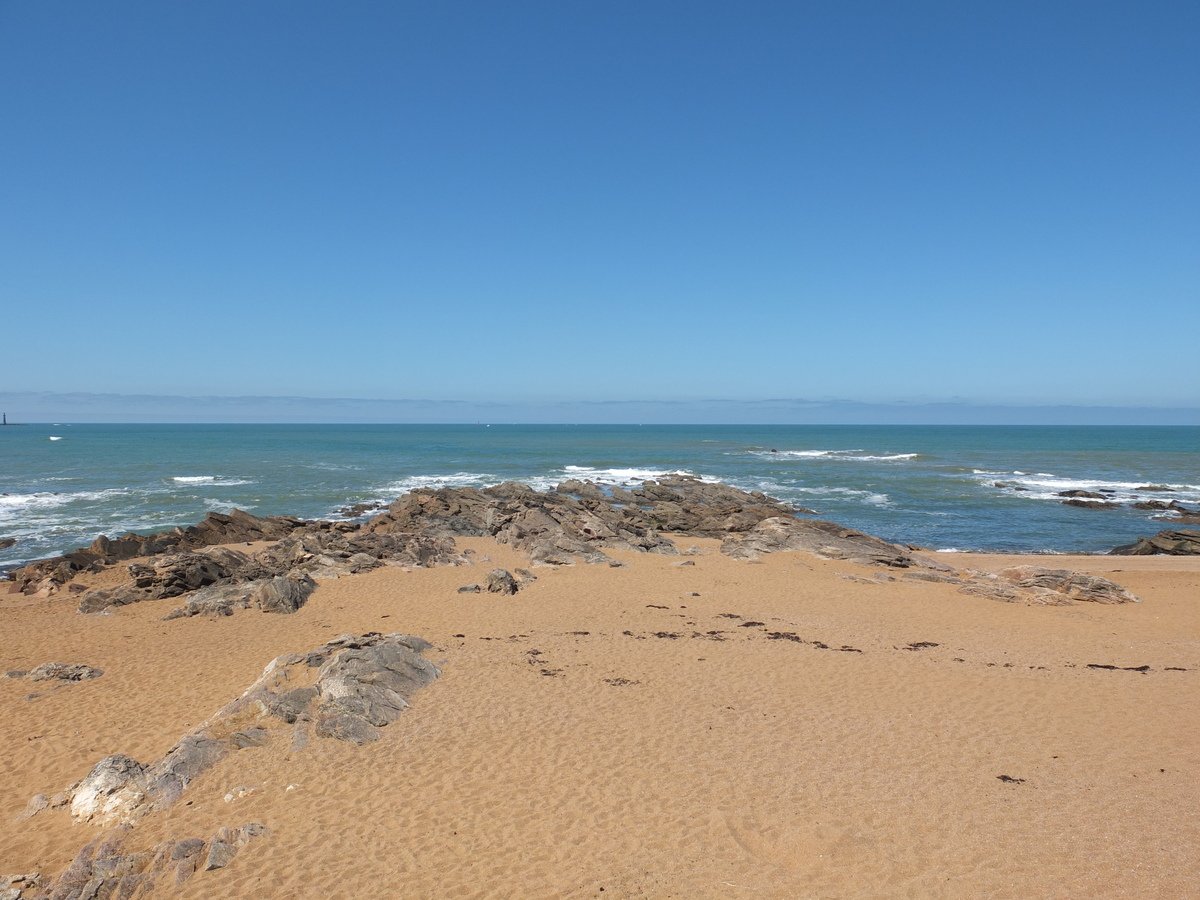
<point>634,201</point>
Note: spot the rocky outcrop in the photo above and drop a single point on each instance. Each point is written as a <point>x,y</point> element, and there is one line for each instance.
<point>279,578</point>
<point>1184,542</point>
<point>347,689</point>
<point>822,538</point>
<point>103,869</point>
<point>238,527</point>
<point>53,671</point>
<point>580,520</point>
<point>1038,586</point>
<point>329,551</point>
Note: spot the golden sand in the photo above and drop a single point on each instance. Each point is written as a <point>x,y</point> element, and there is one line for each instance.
<point>626,732</point>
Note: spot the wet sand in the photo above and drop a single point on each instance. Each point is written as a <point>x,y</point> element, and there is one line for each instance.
<point>631,732</point>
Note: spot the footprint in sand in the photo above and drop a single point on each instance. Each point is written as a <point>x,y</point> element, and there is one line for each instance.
<point>800,846</point>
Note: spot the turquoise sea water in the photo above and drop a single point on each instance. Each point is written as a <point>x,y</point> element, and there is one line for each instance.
<point>937,486</point>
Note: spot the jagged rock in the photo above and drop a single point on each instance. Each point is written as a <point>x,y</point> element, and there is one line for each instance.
<point>584,490</point>
<point>284,594</point>
<point>217,600</point>
<point>277,579</point>
<point>362,683</point>
<point>351,729</point>
<point>1092,504</point>
<point>1077,493</point>
<point>373,680</point>
<point>169,576</point>
<point>501,581</point>
<point>110,792</point>
<point>220,854</point>
<point>102,871</point>
<point>5,543</point>
<point>822,538</point>
<point>237,527</point>
<point>578,521</point>
<point>1173,543</point>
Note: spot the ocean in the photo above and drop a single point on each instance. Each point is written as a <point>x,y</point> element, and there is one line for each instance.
<point>991,488</point>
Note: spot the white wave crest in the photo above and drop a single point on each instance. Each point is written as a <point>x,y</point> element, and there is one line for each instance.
<point>834,455</point>
<point>870,497</point>
<point>210,479</point>
<point>17,507</point>
<point>1046,486</point>
<point>453,480</point>
<point>617,475</point>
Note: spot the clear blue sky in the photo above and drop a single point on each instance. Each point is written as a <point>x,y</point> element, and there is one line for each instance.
<point>564,201</point>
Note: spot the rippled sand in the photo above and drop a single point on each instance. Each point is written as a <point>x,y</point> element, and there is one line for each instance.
<point>627,732</point>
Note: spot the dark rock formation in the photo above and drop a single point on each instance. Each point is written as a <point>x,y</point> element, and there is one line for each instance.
<point>1092,504</point>
<point>1173,543</point>
<point>278,578</point>
<point>5,543</point>
<point>501,581</point>
<point>237,527</point>
<point>1077,493</point>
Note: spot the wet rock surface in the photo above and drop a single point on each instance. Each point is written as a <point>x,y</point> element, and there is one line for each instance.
<point>347,689</point>
<point>1171,543</point>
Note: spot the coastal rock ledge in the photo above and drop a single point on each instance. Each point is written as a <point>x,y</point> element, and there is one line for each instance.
<point>1184,542</point>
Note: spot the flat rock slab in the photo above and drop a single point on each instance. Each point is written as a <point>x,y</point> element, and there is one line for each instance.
<point>54,671</point>
<point>826,539</point>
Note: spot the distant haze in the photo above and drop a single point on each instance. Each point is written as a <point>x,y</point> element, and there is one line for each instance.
<point>37,407</point>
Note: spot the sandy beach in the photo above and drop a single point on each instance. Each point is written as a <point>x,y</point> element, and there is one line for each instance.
<point>652,730</point>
